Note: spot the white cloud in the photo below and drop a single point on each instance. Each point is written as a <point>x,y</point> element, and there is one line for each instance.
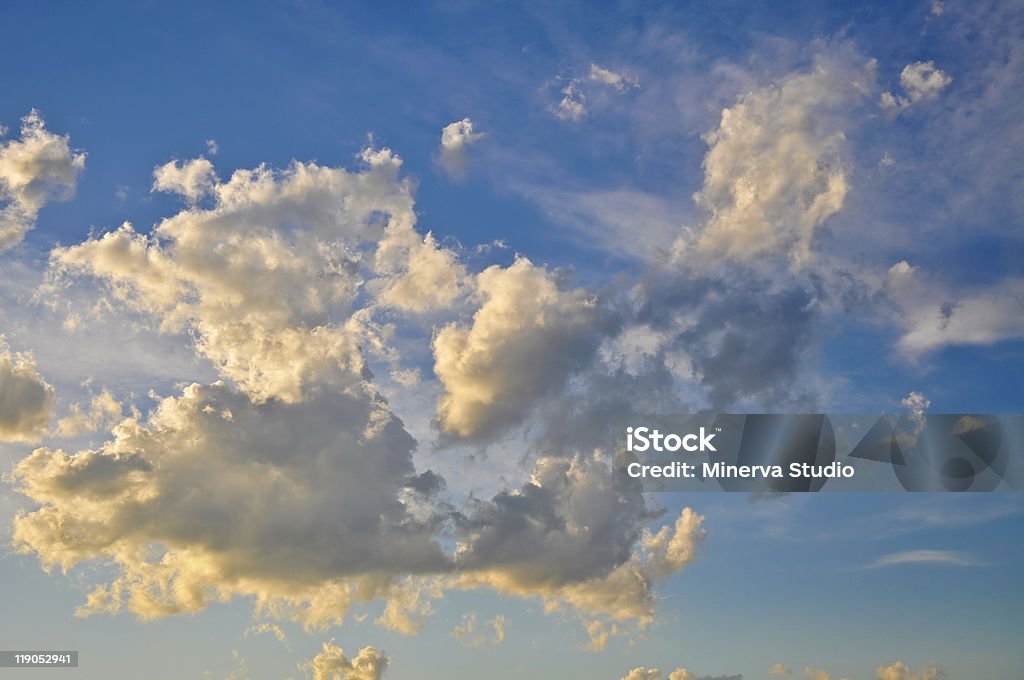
<point>192,179</point>
<point>950,558</point>
<point>580,92</point>
<point>900,671</point>
<point>527,337</point>
<point>774,171</point>
<point>934,317</point>
<point>332,664</point>
<point>455,139</point>
<point>938,8</point>
<point>615,80</point>
<point>26,400</point>
<point>286,282</point>
<point>642,673</point>
<point>921,81</point>
<point>35,169</point>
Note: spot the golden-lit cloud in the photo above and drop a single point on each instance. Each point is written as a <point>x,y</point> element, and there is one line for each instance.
<point>332,664</point>
<point>26,400</point>
<point>526,338</point>
<point>774,169</point>
<point>35,169</point>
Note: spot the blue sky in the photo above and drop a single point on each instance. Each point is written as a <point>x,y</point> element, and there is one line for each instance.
<point>684,207</point>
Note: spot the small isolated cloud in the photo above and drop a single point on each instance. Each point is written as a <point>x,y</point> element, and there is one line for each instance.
<point>642,673</point>
<point>941,557</point>
<point>900,671</point>
<point>35,169</point>
<point>938,8</point>
<point>191,179</point>
<point>212,147</point>
<point>268,629</point>
<point>455,139</point>
<point>580,92</point>
<point>332,664</point>
<point>780,669</point>
<point>921,81</point>
<point>469,633</point>
<point>26,400</point>
<point>816,674</point>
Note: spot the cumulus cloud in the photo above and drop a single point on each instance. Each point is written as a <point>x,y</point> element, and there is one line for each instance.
<point>774,170</point>
<point>266,278</point>
<point>455,139</point>
<point>572,537</point>
<point>103,412</point>
<point>900,671</point>
<point>215,496</point>
<point>780,669</point>
<point>191,179</point>
<point>290,482</point>
<point>332,664</point>
<point>526,338</point>
<point>26,400</point>
<point>642,673</point>
<point>921,81</point>
<point>35,169</point>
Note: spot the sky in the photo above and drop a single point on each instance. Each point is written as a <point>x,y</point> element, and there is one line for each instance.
<point>314,315</point>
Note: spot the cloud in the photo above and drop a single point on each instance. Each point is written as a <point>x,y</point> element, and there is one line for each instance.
<point>816,674</point>
<point>899,671</point>
<point>526,338</point>
<point>35,169</point>
<point>332,664</point>
<point>571,537</point>
<point>104,411</point>
<point>579,92</point>
<point>780,669</point>
<point>455,139</point>
<point>774,171</point>
<point>268,629</point>
<point>289,481</point>
<point>617,81</point>
<point>266,277</point>
<point>921,81</point>
<point>934,317</point>
<point>296,505</point>
<point>642,673</point>
<point>468,633</point>
<point>26,400</point>
<point>191,179</point>
<point>941,557</point>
